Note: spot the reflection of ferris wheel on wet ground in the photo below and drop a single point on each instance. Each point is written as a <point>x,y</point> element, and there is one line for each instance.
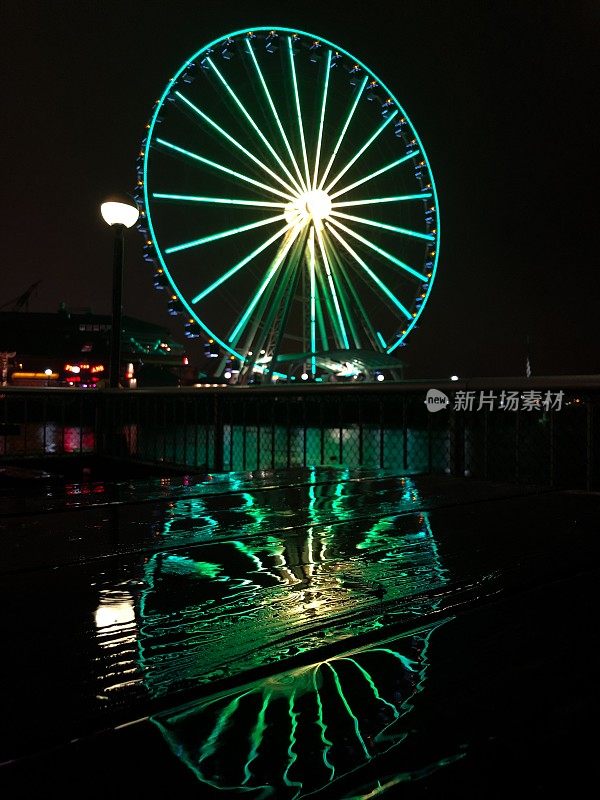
<point>288,205</point>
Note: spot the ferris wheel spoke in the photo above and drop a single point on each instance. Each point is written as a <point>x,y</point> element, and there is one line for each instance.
<point>384,226</point>
<point>341,290</point>
<point>380,250</point>
<point>223,168</point>
<point>366,320</point>
<point>235,142</point>
<point>253,124</point>
<point>313,300</point>
<point>334,296</point>
<point>366,145</point>
<point>322,118</point>
<point>270,274</point>
<point>240,264</point>
<point>343,133</point>
<point>376,174</point>
<point>375,200</point>
<point>276,115</point>
<point>223,234</point>
<point>230,201</point>
<point>298,109</point>
<point>370,273</point>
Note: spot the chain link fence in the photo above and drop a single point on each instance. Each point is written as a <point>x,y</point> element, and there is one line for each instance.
<point>262,428</point>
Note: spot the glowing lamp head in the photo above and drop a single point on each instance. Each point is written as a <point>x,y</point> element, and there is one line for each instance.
<point>380,377</point>
<point>304,376</point>
<point>453,377</point>
<point>120,211</point>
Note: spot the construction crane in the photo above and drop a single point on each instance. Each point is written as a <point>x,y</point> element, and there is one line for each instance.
<point>21,302</point>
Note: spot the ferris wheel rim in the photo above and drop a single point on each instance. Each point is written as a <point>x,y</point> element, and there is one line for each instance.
<point>147,216</point>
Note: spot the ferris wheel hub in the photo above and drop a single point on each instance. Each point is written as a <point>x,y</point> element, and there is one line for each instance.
<point>312,206</point>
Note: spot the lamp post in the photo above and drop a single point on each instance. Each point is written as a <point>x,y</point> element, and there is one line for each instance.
<point>119,213</point>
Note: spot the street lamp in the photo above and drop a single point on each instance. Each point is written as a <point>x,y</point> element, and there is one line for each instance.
<point>119,213</point>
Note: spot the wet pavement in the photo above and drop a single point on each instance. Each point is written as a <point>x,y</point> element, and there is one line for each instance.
<point>329,632</point>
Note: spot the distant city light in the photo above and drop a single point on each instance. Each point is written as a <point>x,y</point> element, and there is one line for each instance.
<point>453,377</point>
<point>48,371</point>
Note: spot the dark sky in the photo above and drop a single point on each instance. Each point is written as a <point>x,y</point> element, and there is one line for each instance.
<point>503,97</point>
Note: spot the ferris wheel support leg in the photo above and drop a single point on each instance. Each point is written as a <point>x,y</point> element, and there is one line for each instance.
<point>344,299</point>
<point>283,321</point>
<point>366,322</point>
<point>320,320</point>
<point>337,334</point>
<point>273,327</point>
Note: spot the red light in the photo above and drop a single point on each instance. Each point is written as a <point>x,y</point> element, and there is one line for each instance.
<point>186,361</point>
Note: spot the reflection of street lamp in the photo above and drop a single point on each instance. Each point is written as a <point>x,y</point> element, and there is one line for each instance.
<point>119,213</point>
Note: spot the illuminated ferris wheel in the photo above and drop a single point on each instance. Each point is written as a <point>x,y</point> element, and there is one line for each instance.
<point>288,206</point>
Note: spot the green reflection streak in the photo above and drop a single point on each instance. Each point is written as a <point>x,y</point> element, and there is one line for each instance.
<point>340,691</point>
<point>186,565</point>
<point>248,552</point>
<point>372,684</point>
<point>321,723</point>
<point>293,756</point>
<point>373,534</point>
<point>256,736</point>
<point>407,663</point>
<point>223,719</point>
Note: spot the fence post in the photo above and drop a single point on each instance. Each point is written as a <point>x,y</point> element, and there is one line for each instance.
<point>218,433</point>
<point>589,446</point>
<point>456,443</point>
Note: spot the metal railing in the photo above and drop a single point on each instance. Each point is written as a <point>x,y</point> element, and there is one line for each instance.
<point>377,425</point>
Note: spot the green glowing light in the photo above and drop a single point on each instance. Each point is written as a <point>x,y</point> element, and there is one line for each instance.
<point>252,305</point>
<point>275,114</point>
<point>253,124</point>
<point>374,200</point>
<point>320,137</point>
<point>313,311</point>
<point>192,198</point>
<point>235,142</point>
<point>343,133</point>
<point>375,174</point>
<point>370,272</point>
<point>328,744</point>
<point>298,109</point>
<point>223,721</point>
<point>381,251</point>
<point>427,236</point>
<point>367,144</point>
<point>291,753</point>
<point>332,288</point>
<point>340,691</point>
<point>381,340</point>
<point>223,234</point>
<point>256,737</point>
<point>240,264</point>
<point>373,686</point>
<point>223,168</point>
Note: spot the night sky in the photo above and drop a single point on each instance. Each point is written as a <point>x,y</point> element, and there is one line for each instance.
<point>502,94</point>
